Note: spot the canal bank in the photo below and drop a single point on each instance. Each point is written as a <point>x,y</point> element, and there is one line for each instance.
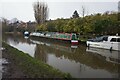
<point>22,65</point>
<point>79,61</point>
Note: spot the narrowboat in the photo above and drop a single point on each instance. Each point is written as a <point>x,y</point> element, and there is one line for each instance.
<point>105,42</point>
<point>72,37</point>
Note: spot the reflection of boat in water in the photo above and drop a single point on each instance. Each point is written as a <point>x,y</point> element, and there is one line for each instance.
<point>111,56</point>
<point>26,37</point>
<point>105,42</point>
<point>66,48</point>
<point>79,55</point>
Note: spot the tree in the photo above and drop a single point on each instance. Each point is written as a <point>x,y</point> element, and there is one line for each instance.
<point>59,24</point>
<point>83,11</point>
<point>51,26</point>
<point>75,14</point>
<point>5,23</point>
<point>41,27</point>
<point>119,11</point>
<point>40,12</point>
<point>71,26</point>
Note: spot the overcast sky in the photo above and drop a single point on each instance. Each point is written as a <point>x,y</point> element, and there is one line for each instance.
<point>23,9</point>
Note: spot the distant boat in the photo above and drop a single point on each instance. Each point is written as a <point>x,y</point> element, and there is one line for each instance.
<point>26,33</point>
<point>105,42</point>
<point>72,37</point>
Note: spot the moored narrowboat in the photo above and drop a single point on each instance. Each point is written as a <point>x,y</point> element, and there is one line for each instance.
<point>72,37</point>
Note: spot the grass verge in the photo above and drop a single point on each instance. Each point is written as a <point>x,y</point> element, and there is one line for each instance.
<point>33,67</point>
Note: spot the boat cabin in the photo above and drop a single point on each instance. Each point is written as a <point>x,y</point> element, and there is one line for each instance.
<point>107,42</point>
<point>106,38</point>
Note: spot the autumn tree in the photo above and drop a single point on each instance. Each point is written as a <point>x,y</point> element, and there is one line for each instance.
<point>51,26</point>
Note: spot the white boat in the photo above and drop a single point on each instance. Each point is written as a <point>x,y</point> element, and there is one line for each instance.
<point>26,33</point>
<point>106,42</point>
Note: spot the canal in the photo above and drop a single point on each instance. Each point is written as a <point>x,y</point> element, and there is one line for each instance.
<point>79,61</point>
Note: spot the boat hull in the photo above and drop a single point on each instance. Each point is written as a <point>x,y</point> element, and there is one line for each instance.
<point>104,45</point>
<point>51,39</point>
<point>74,42</point>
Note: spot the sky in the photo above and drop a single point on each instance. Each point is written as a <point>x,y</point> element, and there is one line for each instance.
<point>23,9</point>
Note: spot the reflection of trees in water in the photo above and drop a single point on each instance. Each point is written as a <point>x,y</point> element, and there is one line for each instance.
<point>11,38</point>
<point>16,39</point>
<point>83,57</point>
<point>40,53</point>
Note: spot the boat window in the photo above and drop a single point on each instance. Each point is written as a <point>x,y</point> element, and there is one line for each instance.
<point>65,36</point>
<point>73,37</point>
<point>118,40</point>
<point>105,38</point>
<point>99,39</point>
<point>113,40</point>
<point>68,36</point>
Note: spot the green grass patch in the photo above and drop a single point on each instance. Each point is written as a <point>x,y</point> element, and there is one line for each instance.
<point>83,40</point>
<point>33,67</point>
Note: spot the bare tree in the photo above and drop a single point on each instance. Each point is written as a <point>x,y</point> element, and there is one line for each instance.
<point>83,11</point>
<point>40,12</point>
<point>119,11</point>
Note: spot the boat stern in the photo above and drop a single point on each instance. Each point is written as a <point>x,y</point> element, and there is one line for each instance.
<point>74,42</point>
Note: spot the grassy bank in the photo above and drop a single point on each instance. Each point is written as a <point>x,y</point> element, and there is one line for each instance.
<point>32,67</point>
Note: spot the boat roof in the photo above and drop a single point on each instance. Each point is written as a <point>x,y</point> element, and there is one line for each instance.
<point>114,36</point>
<point>110,36</point>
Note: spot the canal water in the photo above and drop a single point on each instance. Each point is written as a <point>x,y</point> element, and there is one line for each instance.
<point>79,61</point>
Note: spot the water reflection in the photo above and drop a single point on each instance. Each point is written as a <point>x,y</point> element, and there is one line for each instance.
<point>111,56</point>
<point>77,60</point>
<point>21,43</point>
<point>40,53</point>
